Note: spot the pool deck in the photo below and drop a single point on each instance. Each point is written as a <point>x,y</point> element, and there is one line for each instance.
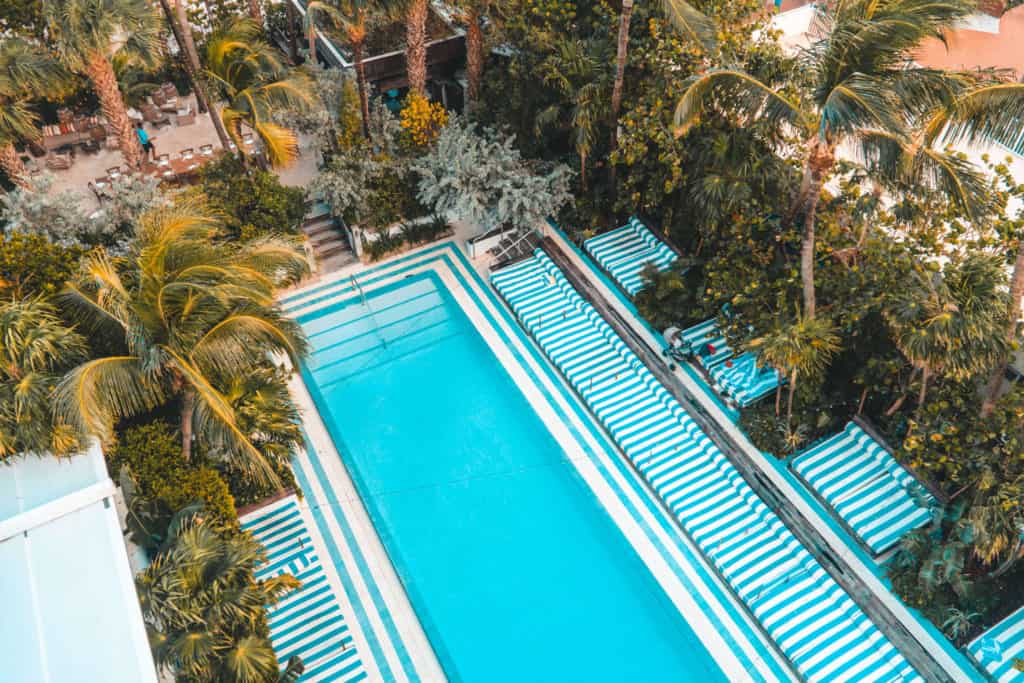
<point>934,657</point>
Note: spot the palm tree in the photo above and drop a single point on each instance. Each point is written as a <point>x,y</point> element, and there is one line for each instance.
<point>416,12</point>
<point>951,322</point>
<point>204,608</point>
<point>797,351</point>
<point>254,82</point>
<point>861,91</point>
<point>190,307</point>
<point>35,349</point>
<point>578,71</point>
<point>87,33</point>
<point>26,72</point>
<point>352,17</point>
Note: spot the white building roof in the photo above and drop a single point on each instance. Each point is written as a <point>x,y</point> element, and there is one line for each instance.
<point>70,611</point>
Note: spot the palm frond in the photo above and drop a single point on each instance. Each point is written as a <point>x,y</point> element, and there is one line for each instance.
<point>94,394</point>
<point>691,23</point>
<point>739,92</point>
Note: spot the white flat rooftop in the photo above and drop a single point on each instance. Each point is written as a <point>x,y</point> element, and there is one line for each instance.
<point>70,611</point>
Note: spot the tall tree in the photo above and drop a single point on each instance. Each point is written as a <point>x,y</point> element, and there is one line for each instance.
<point>253,81</point>
<point>87,33</point>
<point>26,72</point>
<point>189,306</point>
<point>860,91</point>
<point>35,349</point>
<point>416,13</point>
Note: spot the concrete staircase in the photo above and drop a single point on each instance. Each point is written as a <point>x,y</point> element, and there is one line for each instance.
<point>327,239</point>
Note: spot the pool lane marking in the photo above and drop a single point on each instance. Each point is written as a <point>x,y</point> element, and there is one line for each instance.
<point>382,572</point>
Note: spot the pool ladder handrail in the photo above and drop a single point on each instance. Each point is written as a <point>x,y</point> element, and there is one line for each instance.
<point>373,317</point>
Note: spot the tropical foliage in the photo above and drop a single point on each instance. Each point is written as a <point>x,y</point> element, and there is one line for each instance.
<point>204,608</point>
<point>189,307</point>
<point>35,348</point>
<point>481,177</point>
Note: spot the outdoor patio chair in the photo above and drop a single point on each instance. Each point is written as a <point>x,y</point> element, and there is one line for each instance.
<point>206,151</point>
<point>163,160</point>
<point>187,153</point>
<point>59,162</point>
<point>169,90</point>
<point>185,117</point>
<point>158,97</point>
<point>153,115</point>
<point>114,172</point>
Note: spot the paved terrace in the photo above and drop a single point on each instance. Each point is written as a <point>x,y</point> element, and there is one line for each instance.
<point>168,139</point>
<point>891,616</point>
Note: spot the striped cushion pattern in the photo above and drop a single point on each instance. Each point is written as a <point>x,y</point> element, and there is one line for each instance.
<point>742,380</point>
<point>625,251</point>
<point>865,486</point>
<point>307,622</point>
<point>707,343</point>
<point>997,648</point>
<point>812,620</point>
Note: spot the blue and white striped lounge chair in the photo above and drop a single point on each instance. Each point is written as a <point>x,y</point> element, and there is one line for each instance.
<point>997,648</point>
<point>812,620</point>
<point>307,622</point>
<point>865,486</point>
<point>742,381</point>
<point>625,251</point>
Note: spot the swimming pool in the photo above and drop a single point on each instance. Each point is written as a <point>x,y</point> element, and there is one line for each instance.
<point>512,566</point>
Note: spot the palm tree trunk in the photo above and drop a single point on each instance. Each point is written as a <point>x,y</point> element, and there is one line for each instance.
<point>364,101</point>
<point>416,46</point>
<point>789,398</point>
<point>195,69</point>
<point>174,19</point>
<point>583,171</point>
<point>11,163</point>
<point>188,409</point>
<point>311,37</point>
<point>898,403</point>
<point>778,400</point>
<point>474,56</point>
<point>256,12</point>
<point>293,48</point>
<point>620,73</point>
<point>995,382</point>
<point>101,73</point>
<point>925,372</point>
<point>818,164</point>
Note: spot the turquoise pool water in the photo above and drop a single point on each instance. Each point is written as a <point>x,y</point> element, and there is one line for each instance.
<point>510,562</point>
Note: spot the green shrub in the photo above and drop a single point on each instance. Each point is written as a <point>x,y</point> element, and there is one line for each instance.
<point>163,482</point>
<point>31,264</point>
<point>252,202</point>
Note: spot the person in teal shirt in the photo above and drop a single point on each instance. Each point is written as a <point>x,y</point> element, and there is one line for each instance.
<point>147,144</point>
